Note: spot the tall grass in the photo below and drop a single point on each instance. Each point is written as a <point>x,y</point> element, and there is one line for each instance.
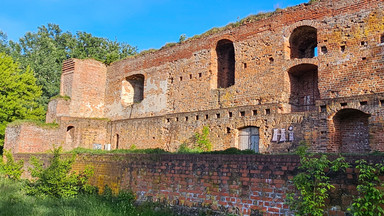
<point>14,201</point>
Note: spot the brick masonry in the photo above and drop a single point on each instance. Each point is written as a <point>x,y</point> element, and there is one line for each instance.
<point>238,184</point>
<point>300,68</point>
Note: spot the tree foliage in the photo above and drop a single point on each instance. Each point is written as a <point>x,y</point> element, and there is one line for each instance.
<point>18,94</point>
<point>45,50</point>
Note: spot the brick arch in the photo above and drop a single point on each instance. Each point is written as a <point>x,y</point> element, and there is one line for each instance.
<point>349,131</point>
<point>303,42</point>
<point>287,32</point>
<point>213,68</point>
<point>312,23</point>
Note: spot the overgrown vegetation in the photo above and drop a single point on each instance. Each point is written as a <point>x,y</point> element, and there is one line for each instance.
<point>313,182</point>
<point>33,122</point>
<point>370,199</point>
<point>57,180</point>
<point>198,143</point>
<point>11,169</point>
<point>58,191</point>
<point>65,97</point>
<point>15,201</point>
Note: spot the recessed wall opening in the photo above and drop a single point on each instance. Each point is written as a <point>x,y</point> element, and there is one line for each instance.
<point>324,50</point>
<point>70,135</point>
<point>303,42</point>
<point>117,141</point>
<point>342,48</point>
<point>382,38</point>
<point>225,63</point>
<point>351,131</point>
<point>132,90</point>
<point>249,138</point>
<point>304,87</point>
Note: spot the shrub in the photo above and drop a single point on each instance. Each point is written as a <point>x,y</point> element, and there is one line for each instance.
<point>370,198</point>
<point>11,169</point>
<point>57,180</point>
<point>184,149</point>
<point>202,141</point>
<point>313,182</point>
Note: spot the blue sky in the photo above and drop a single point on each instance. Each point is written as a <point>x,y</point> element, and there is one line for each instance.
<point>145,24</point>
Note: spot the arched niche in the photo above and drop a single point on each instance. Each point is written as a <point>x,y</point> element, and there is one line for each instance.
<point>225,63</point>
<point>303,42</point>
<point>132,89</point>
<point>304,90</point>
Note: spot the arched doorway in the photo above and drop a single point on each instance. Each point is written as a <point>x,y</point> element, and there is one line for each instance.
<point>351,131</point>
<point>249,138</point>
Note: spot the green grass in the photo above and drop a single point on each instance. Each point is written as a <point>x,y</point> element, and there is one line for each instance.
<point>14,201</point>
<point>65,97</point>
<point>33,122</point>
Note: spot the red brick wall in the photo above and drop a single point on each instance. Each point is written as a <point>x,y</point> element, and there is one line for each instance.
<point>85,81</point>
<point>242,184</point>
<point>28,138</point>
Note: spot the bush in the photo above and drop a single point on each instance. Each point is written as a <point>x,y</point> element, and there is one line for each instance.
<point>11,169</point>
<point>370,200</point>
<point>313,182</point>
<point>57,180</point>
<point>202,141</point>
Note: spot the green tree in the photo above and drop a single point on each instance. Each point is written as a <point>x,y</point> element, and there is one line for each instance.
<point>4,47</point>
<point>45,51</point>
<point>18,94</point>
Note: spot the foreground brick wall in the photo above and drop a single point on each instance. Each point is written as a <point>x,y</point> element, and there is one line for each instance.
<point>240,184</point>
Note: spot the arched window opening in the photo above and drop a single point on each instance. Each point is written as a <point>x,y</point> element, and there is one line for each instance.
<point>351,131</point>
<point>117,141</point>
<point>304,87</point>
<point>70,135</point>
<point>132,89</point>
<point>225,63</point>
<point>249,138</point>
<point>303,42</point>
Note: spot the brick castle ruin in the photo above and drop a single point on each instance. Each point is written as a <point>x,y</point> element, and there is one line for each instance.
<point>313,72</point>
